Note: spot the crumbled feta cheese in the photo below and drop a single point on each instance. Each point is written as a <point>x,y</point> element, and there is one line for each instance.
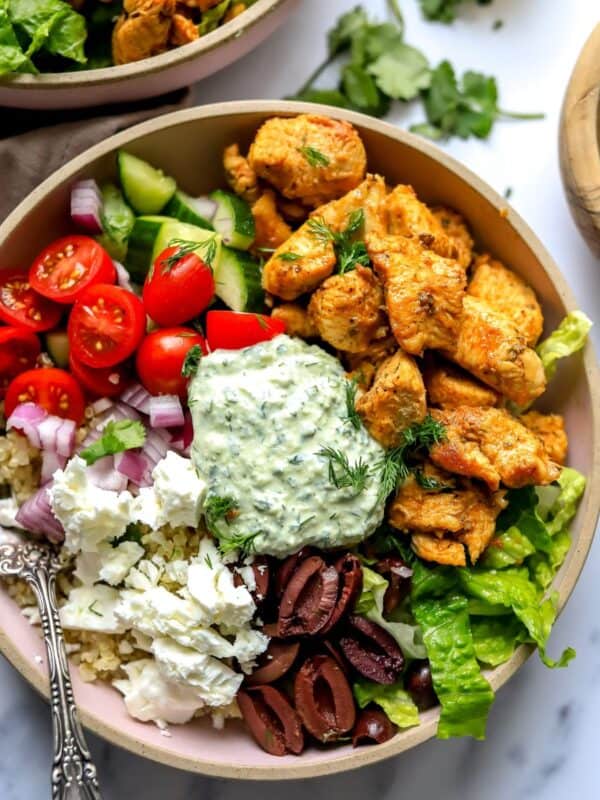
<point>215,682</point>
<point>88,514</point>
<point>247,646</point>
<point>145,576</point>
<point>8,512</point>
<point>210,583</point>
<point>109,564</point>
<point>177,571</point>
<point>149,695</point>
<point>247,575</point>
<point>146,508</point>
<point>179,490</point>
<point>92,608</point>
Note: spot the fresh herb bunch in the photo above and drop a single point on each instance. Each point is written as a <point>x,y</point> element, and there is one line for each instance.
<point>381,67</point>
<point>399,461</point>
<point>444,10</point>
<point>349,251</point>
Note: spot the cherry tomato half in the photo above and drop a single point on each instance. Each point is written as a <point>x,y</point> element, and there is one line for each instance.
<point>160,359</point>
<point>103,382</point>
<point>177,290</point>
<point>19,349</point>
<point>68,266</point>
<point>51,388</point>
<point>22,306</point>
<point>232,330</point>
<point>106,325</point>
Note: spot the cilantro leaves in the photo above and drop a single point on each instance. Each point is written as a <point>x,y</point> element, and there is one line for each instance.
<point>380,67</point>
<point>126,434</point>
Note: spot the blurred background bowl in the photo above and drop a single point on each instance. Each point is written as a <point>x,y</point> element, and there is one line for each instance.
<point>188,145</point>
<point>150,77</point>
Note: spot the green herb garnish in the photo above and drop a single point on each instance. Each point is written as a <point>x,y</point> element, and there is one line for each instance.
<point>396,466</point>
<point>125,434</point>
<point>314,157</point>
<point>349,253</point>
<point>208,248</point>
<point>208,561</point>
<point>217,509</point>
<point>444,10</point>
<point>289,256</point>
<point>352,414</point>
<point>341,473</point>
<point>92,610</point>
<point>244,542</point>
<point>191,361</point>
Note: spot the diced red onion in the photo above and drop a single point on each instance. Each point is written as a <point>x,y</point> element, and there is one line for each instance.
<point>100,405</point>
<point>117,412</point>
<point>35,515</point>
<point>166,411</point>
<point>204,206</point>
<point>133,465</point>
<point>123,277</point>
<point>91,437</point>
<point>51,461</point>
<point>137,397</point>
<point>182,437</point>
<point>27,418</point>
<point>86,205</point>
<point>104,475</point>
<point>57,435</point>
<point>154,450</point>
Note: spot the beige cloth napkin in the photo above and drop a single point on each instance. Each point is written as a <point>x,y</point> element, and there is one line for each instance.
<point>39,142</point>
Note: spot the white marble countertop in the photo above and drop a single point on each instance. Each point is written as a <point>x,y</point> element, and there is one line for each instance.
<point>542,732</point>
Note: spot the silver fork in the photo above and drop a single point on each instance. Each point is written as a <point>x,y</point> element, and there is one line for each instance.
<point>73,771</point>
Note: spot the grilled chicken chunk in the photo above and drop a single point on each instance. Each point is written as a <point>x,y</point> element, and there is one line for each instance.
<point>456,228</point>
<point>550,428</point>
<point>395,400</point>
<point>297,320</point>
<point>490,346</point>
<point>441,551</point>
<point>407,216</point>
<point>423,293</point>
<point>271,228</point>
<point>363,365</point>
<point>142,30</point>
<point>347,310</point>
<point>504,291</point>
<point>449,386</point>
<point>492,445</point>
<point>239,174</point>
<point>309,158</point>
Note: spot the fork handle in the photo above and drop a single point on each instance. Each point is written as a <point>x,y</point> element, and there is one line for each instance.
<point>73,771</point>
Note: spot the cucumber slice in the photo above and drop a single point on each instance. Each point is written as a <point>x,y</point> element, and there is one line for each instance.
<point>57,345</point>
<point>145,188</point>
<point>238,281</point>
<point>153,233</point>
<point>233,220</point>
<point>117,221</point>
<point>187,209</point>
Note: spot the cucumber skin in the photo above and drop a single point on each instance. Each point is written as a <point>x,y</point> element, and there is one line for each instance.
<point>57,345</point>
<point>126,163</point>
<point>141,246</point>
<point>178,209</point>
<point>255,296</point>
<point>242,236</point>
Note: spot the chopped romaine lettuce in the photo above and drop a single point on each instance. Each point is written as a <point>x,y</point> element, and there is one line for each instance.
<point>370,605</point>
<point>394,700</point>
<point>568,338</point>
<point>507,549</point>
<point>463,692</point>
<point>212,17</point>
<point>495,638</point>
<point>514,589</point>
<point>12,56</point>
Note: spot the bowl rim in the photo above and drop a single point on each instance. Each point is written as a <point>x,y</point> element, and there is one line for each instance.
<point>234,29</point>
<point>588,511</point>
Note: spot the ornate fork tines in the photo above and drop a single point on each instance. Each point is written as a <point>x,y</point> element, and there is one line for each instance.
<point>73,772</point>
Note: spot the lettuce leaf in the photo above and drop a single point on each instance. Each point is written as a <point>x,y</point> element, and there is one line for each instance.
<point>463,692</point>
<point>568,338</point>
<point>496,638</point>
<point>12,56</point>
<point>394,700</point>
<point>212,17</point>
<point>51,25</point>
<point>514,589</point>
<point>370,605</point>
<point>564,508</point>
<point>507,549</point>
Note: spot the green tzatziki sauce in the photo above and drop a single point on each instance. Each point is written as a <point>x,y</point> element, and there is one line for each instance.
<point>261,415</point>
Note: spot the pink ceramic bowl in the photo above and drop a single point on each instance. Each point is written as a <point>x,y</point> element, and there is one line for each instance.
<point>176,142</point>
<point>151,77</point>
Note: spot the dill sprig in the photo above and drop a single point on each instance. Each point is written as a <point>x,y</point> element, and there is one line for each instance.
<point>208,248</point>
<point>191,361</point>
<point>396,464</point>
<point>349,252</point>
<point>243,542</point>
<point>217,509</point>
<point>314,157</point>
<point>289,256</point>
<point>352,414</point>
<point>341,473</point>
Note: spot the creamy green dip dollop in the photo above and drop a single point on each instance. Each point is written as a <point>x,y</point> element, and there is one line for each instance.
<point>261,415</point>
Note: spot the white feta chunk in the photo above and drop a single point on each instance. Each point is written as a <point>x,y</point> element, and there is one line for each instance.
<point>247,646</point>
<point>109,564</point>
<point>149,696</point>
<point>179,490</point>
<point>92,608</point>
<point>8,512</point>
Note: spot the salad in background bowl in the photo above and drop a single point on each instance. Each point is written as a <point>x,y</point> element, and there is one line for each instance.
<point>282,433</point>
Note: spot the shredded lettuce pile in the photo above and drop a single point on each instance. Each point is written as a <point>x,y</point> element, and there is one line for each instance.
<point>29,28</point>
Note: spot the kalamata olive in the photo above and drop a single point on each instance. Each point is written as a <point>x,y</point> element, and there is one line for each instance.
<point>273,663</point>
<point>350,572</point>
<point>336,655</point>
<point>399,574</point>
<point>272,720</point>
<point>372,727</point>
<point>288,567</point>
<point>323,698</point>
<point>309,598</point>
<point>419,685</point>
<point>371,650</point>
